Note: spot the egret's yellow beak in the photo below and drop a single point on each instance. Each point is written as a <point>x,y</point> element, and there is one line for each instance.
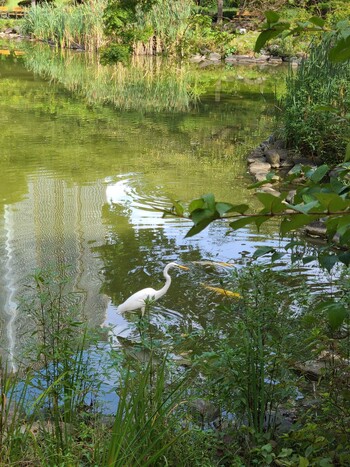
<point>183,267</point>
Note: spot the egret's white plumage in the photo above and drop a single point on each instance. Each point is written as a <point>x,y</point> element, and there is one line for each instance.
<point>139,299</point>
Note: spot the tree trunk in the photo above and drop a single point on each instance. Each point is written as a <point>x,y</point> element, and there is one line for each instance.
<point>220,11</point>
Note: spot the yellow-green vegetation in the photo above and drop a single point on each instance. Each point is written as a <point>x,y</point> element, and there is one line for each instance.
<point>76,26</point>
<point>6,23</point>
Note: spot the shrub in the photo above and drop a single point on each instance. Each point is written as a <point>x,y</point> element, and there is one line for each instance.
<point>316,104</point>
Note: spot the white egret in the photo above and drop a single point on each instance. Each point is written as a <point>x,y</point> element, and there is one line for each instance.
<point>139,299</point>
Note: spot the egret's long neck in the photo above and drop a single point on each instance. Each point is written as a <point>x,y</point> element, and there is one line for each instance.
<point>166,286</point>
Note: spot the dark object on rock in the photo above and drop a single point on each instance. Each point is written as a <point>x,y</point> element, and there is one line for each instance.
<point>273,157</point>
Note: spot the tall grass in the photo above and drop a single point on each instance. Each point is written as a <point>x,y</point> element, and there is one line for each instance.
<point>316,106</point>
<point>77,26</point>
<point>169,20</point>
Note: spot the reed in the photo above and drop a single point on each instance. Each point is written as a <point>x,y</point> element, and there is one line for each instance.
<point>67,26</point>
<point>169,20</point>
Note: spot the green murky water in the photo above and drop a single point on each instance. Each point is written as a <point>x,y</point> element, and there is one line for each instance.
<point>86,151</point>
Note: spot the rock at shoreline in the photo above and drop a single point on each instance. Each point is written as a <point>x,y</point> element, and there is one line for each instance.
<point>273,158</point>
<point>259,167</point>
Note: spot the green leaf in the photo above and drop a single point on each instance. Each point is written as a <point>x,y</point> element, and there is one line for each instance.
<point>240,208</point>
<point>296,170</point>
<point>302,207</point>
<point>303,462</point>
<point>327,261</point>
<point>199,215</point>
<point>264,37</point>
<point>347,153</point>
<point>209,199</point>
<point>341,51</point>
<point>271,203</point>
<point>242,222</point>
<point>277,255</point>
<point>343,224</point>
<point>308,259</point>
<point>196,204</point>
<point>332,202</point>
<point>271,16</point>
<point>317,21</point>
<point>260,220</point>
<point>179,209</point>
<point>344,258</point>
<point>286,452</point>
<point>198,227</point>
<point>223,208</point>
<point>319,173</point>
<point>326,108</point>
<point>295,222</point>
<point>271,177</point>
<point>262,251</point>
<point>336,315</point>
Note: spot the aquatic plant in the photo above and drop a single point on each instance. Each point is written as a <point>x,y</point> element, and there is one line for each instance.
<point>75,26</point>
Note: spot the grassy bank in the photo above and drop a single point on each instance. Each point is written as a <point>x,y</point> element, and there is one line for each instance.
<point>238,393</point>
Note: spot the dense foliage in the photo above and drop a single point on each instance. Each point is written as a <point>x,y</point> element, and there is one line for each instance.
<point>316,106</point>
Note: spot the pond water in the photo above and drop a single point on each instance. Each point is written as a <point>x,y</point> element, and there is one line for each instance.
<point>86,153</point>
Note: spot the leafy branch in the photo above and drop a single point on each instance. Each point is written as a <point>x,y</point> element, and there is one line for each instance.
<point>277,27</point>
<point>324,194</point>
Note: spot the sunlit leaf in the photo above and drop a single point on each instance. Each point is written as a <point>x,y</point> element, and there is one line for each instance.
<point>271,16</point>
<point>317,21</point>
<point>196,204</point>
<point>179,209</point>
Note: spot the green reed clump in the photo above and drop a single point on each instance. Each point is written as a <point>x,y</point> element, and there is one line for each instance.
<point>169,21</point>
<point>74,26</point>
<point>317,104</point>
